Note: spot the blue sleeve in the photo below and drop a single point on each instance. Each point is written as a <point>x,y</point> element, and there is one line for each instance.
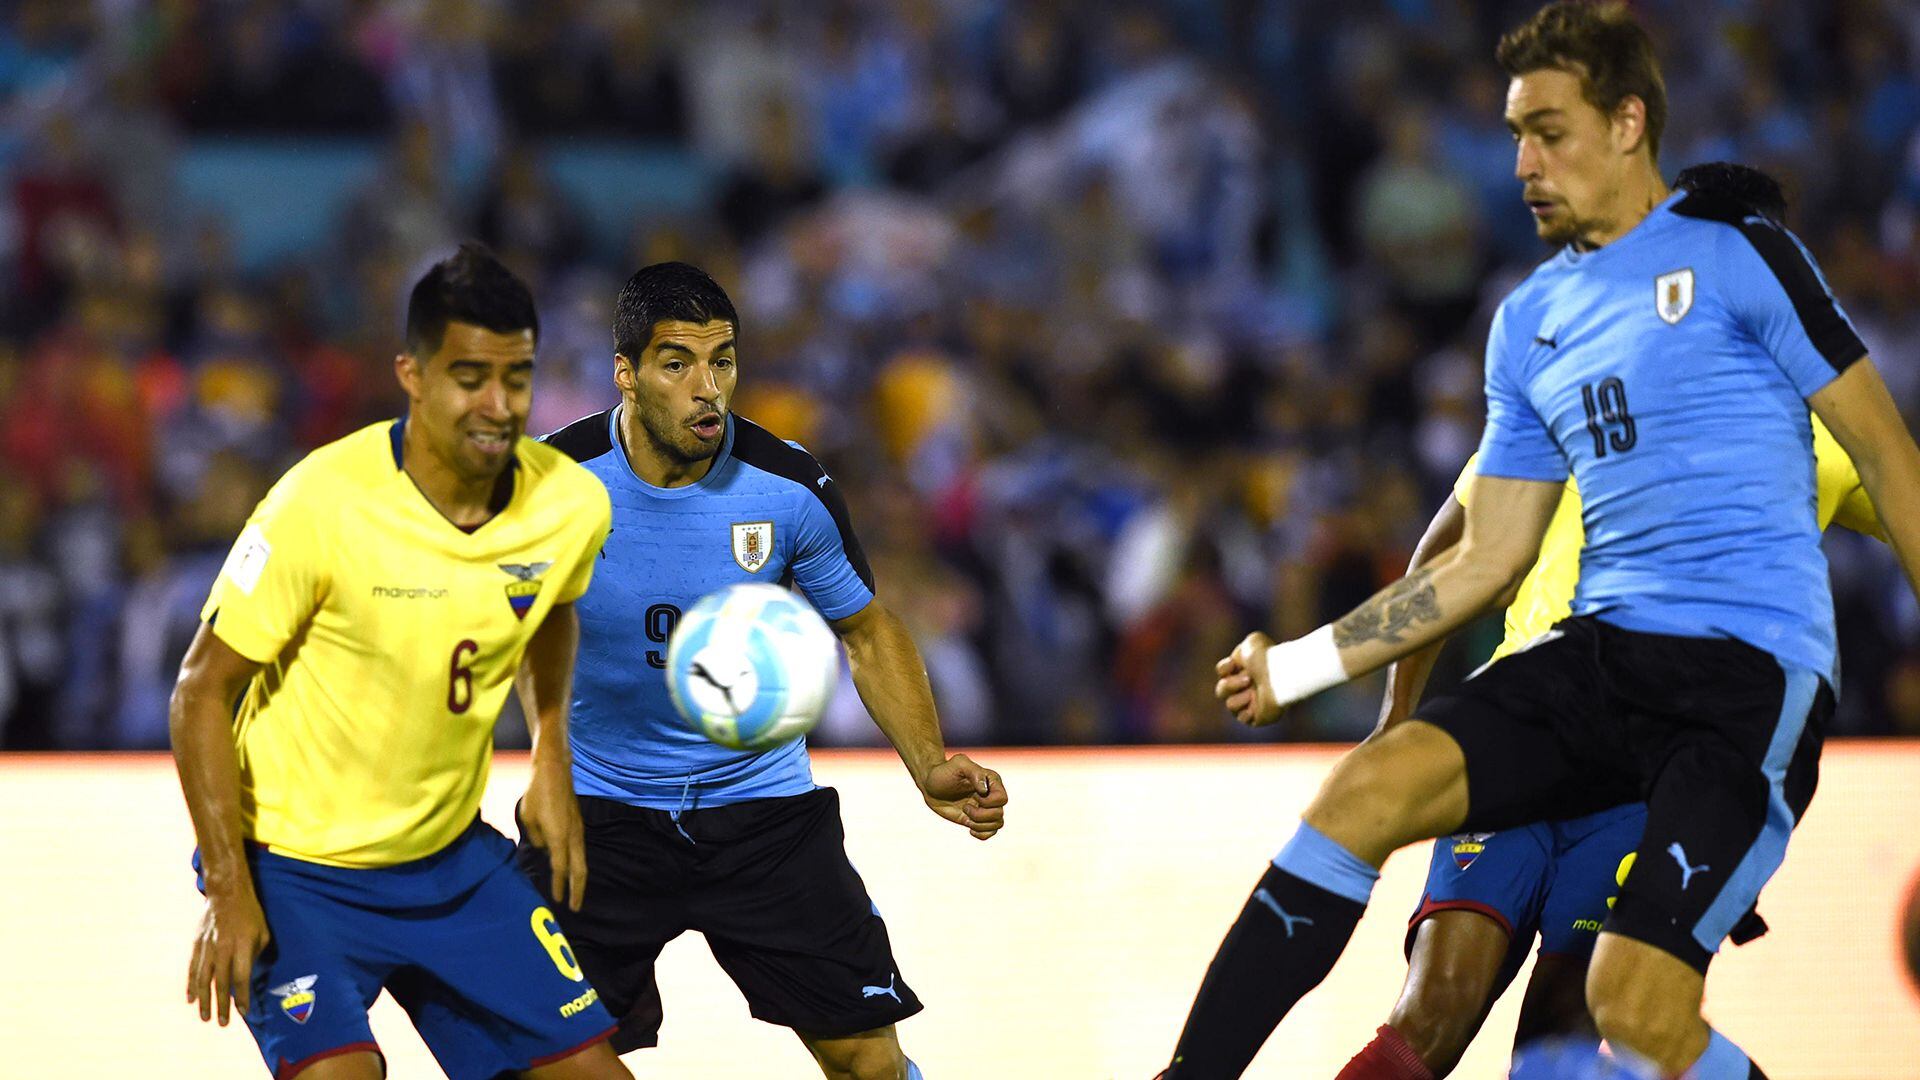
<point>827,563</point>
<point>1777,294</point>
<point>1516,443</point>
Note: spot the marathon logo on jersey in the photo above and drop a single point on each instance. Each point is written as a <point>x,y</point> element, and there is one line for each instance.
<point>1468,846</point>
<point>1673,295</point>
<point>296,998</point>
<point>752,544</point>
<point>526,584</point>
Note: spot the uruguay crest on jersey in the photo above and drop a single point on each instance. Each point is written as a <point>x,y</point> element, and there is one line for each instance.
<point>1673,295</point>
<point>752,544</point>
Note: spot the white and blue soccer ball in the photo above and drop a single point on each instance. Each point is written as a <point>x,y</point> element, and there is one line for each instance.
<point>752,666</point>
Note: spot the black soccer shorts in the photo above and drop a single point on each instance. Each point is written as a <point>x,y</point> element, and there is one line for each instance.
<point>1720,741</point>
<point>767,882</point>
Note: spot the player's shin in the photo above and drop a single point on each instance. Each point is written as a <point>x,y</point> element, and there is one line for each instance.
<point>1287,938</point>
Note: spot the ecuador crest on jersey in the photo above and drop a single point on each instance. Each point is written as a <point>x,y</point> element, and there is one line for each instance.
<point>526,585</point>
<point>296,998</point>
<point>1468,846</point>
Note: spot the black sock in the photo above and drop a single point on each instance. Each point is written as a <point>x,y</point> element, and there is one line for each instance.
<point>1284,942</point>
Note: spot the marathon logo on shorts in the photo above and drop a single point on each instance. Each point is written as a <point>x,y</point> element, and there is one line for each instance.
<point>579,1005</point>
<point>526,585</point>
<point>296,998</point>
<point>1468,846</point>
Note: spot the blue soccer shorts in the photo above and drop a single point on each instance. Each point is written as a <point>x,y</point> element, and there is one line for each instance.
<point>1558,879</point>
<point>459,938</point>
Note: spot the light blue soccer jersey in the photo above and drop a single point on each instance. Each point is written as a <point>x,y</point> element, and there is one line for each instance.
<point>1669,370</point>
<point>765,511</point>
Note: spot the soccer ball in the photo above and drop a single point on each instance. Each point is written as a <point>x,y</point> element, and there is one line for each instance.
<point>751,666</point>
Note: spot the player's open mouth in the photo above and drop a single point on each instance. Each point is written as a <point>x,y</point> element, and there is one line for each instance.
<point>490,442</point>
<point>709,426</point>
<point>1540,207</point>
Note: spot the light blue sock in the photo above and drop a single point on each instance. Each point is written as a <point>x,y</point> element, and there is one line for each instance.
<point>1314,859</point>
<point>1722,1061</point>
<point>1576,1058</point>
<point>913,1071</point>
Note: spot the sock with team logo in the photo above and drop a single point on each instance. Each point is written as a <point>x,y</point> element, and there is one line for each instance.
<point>1388,1057</point>
<point>1288,936</point>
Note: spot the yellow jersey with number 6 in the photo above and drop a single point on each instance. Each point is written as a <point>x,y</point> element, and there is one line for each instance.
<point>1546,595</point>
<point>390,638</point>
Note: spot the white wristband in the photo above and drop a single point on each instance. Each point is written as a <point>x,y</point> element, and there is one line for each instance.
<point>1303,667</point>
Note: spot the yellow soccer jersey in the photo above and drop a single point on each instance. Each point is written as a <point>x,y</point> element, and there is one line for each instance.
<point>1546,595</point>
<point>390,638</point>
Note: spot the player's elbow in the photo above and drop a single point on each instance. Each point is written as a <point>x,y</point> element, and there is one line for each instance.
<point>1488,576</point>
<point>1510,591</point>
<point>201,698</point>
<point>183,706</point>
<point>864,631</point>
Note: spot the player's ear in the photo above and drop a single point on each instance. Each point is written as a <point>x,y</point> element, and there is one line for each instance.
<point>623,373</point>
<point>1630,123</point>
<point>406,368</point>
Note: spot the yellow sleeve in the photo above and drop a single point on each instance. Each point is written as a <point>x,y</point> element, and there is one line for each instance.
<point>1465,482</point>
<point>1840,487</point>
<point>582,575</point>
<point>273,579</point>
<point>1857,512</point>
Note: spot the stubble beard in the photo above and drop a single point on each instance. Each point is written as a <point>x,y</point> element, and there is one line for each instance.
<point>675,441</point>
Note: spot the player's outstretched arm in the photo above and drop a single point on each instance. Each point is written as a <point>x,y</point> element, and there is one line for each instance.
<point>200,721</point>
<point>1407,677</point>
<point>892,680</point>
<point>549,811</point>
<point>1505,520</point>
<point>1860,412</point>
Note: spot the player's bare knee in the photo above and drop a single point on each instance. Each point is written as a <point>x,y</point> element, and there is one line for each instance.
<point>874,1062</point>
<point>1630,1013</point>
<point>870,1056</point>
<point>1440,1012</point>
<point>1409,784</point>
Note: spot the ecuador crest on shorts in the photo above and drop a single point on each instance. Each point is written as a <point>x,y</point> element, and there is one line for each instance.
<point>1468,846</point>
<point>526,584</point>
<point>296,998</point>
<point>752,544</point>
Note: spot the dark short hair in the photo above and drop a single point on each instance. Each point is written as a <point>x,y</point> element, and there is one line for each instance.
<point>471,286</point>
<point>1743,184</point>
<point>1601,43</point>
<point>666,292</point>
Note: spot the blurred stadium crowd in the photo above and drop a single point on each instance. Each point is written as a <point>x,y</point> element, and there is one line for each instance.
<point>1127,326</point>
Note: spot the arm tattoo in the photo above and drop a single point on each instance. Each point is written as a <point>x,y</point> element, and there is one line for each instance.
<point>1400,606</point>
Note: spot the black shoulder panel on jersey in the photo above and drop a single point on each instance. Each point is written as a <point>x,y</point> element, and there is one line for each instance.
<point>1713,206</point>
<point>762,449</point>
<point>584,439</point>
<point>1819,316</point>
